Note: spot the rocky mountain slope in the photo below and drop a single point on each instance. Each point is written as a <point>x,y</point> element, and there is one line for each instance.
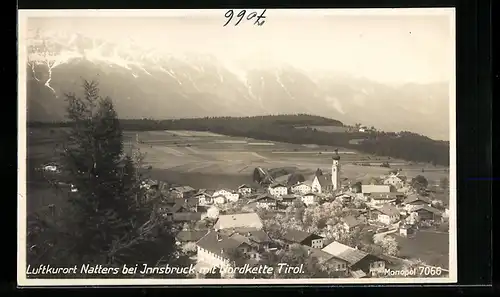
<point>145,83</point>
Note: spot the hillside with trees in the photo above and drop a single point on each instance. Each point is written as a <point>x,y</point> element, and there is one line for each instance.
<point>285,128</point>
<point>109,220</point>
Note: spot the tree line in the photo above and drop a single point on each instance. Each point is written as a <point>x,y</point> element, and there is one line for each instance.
<point>283,128</point>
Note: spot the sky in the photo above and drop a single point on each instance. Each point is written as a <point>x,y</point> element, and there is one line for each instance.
<point>391,47</point>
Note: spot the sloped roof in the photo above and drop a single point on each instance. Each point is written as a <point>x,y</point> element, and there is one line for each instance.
<point>298,236</point>
<point>325,180</point>
<point>277,184</point>
<point>311,194</point>
<point>347,253</point>
<point>254,234</point>
<point>389,209</point>
<point>183,189</point>
<point>306,183</point>
<point>320,255</point>
<point>289,197</point>
<point>414,198</point>
<point>244,186</point>
<point>386,196</point>
<point>249,220</point>
<point>187,216</point>
<point>427,208</point>
<point>358,273</point>
<point>240,238</point>
<point>351,221</point>
<point>218,244</point>
<point>190,235</point>
<point>265,196</point>
<point>368,189</point>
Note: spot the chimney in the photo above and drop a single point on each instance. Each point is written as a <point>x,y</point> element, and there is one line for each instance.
<point>308,252</point>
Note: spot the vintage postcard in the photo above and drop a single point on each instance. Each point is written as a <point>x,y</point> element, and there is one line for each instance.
<point>193,147</point>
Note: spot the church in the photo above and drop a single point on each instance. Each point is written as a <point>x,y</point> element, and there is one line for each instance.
<point>328,183</point>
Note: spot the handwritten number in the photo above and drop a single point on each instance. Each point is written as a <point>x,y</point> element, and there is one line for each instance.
<point>229,15</point>
<point>260,19</point>
<point>241,14</point>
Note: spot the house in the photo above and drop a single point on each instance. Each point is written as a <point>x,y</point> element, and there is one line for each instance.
<point>350,222</point>
<point>217,250</point>
<point>310,199</point>
<point>241,220</point>
<point>204,197</point>
<point>288,200</point>
<point>388,214</point>
<point>266,201</point>
<point>244,190</point>
<point>256,237</point>
<point>427,213</point>
<point>293,236</point>
<point>379,198</point>
<point>407,231</point>
<point>302,188</point>
<point>322,183</point>
<point>220,199</point>
<point>252,251</point>
<point>278,189</point>
<point>414,201</point>
<point>339,266</point>
<point>182,191</point>
<point>360,262</point>
<point>228,194</point>
<point>190,236</point>
<point>394,180</point>
<point>367,190</point>
<point>344,198</point>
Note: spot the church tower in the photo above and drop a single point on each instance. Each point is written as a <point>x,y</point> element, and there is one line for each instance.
<point>336,171</point>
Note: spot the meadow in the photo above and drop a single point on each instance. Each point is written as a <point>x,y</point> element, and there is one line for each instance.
<point>209,160</point>
<point>432,247</point>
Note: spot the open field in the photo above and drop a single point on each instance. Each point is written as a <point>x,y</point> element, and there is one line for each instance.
<point>430,246</point>
<point>205,158</point>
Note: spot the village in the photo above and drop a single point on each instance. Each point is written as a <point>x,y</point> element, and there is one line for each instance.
<point>345,229</point>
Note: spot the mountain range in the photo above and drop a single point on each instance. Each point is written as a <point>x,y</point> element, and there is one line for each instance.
<point>147,83</point>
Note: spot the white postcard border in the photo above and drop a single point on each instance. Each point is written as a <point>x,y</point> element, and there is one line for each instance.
<point>22,280</point>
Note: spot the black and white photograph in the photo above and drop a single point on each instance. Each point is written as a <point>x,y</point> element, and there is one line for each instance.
<point>236,146</point>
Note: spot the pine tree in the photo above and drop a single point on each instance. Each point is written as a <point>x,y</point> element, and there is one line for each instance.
<point>112,221</point>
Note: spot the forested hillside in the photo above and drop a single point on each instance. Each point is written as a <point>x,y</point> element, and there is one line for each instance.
<point>283,128</point>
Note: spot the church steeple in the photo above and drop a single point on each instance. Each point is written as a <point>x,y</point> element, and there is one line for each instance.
<point>336,170</point>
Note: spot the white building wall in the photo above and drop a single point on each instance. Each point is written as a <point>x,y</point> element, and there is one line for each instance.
<point>278,191</point>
